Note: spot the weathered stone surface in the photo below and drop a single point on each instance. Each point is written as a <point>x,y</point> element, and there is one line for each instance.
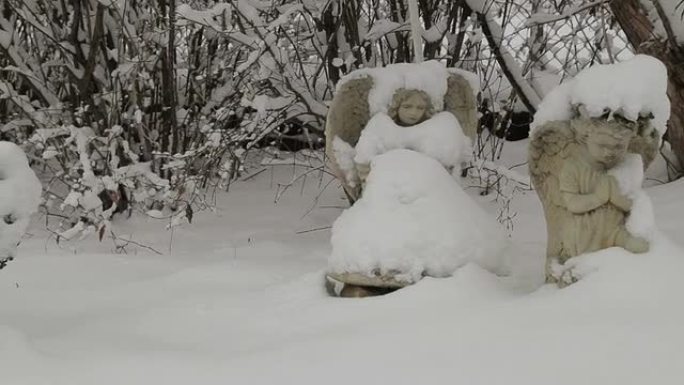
<point>583,206</point>
<point>364,280</point>
<point>355,285</point>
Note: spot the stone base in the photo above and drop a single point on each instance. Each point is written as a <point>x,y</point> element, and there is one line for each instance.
<point>355,285</point>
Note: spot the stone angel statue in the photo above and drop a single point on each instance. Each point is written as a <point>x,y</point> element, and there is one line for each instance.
<point>384,115</point>
<point>570,163</point>
<point>403,96</point>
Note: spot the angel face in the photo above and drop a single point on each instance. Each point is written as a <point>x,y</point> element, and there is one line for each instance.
<point>412,109</point>
<point>605,149</point>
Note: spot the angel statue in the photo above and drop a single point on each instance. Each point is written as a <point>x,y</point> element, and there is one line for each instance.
<point>363,94</point>
<point>585,208</point>
<point>593,137</point>
<point>393,135</point>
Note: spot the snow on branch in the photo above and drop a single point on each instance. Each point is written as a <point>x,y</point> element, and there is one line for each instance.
<point>217,18</point>
<point>545,18</point>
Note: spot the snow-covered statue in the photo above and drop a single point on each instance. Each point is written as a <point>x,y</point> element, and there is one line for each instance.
<point>408,94</point>
<point>411,218</point>
<point>20,190</point>
<point>587,156</point>
<point>408,108</point>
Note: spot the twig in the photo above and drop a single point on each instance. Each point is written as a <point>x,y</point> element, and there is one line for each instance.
<point>314,229</point>
<point>252,175</point>
<point>565,15</point>
<point>283,187</point>
<point>115,238</point>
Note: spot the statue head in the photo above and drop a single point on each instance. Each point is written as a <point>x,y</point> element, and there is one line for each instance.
<point>410,106</point>
<point>606,141</point>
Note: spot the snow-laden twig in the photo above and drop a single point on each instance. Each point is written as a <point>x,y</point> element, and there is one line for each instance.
<point>121,243</point>
<point>538,19</point>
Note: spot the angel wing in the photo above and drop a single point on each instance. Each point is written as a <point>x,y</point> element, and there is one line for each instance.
<point>551,143</point>
<point>348,115</point>
<point>460,100</point>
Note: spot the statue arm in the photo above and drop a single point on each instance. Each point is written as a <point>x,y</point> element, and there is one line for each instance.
<point>576,202</point>
<point>582,203</point>
<point>622,202</point>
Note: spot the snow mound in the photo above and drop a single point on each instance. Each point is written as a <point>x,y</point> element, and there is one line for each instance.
<point>344,154</point>
<point>20,192</point>
<point>414,219</point>
<point>634,87</point>
<point>630,176</point>
<point>430,76</point>
<point>440,137</point>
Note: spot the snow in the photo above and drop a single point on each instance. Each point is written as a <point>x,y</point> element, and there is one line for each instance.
<point>344,155</point>
<point>437,31</point>
<point>544,81</point>
<point>441,137</point>
<point>415,219</point>
<point>205,17</point>
<point>20,192</point>
<point>429,76</point>
<point>645,92</point>
<point>382,27</point>
<point>543,18</point>
<point>630,177</point>
<point>237,297</point>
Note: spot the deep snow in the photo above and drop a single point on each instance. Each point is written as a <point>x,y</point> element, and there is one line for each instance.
<point>20,192</point>
<point>239,299</point>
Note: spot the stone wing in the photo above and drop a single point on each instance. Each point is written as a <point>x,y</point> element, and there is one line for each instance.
<point>348,115</point>
<point>460,100</point>
<point>550,145</point>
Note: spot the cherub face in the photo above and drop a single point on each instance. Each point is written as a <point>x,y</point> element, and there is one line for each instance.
<point>606,149</point>
<point>412,110</point>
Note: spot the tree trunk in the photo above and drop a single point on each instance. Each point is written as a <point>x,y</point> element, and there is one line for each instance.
<point>169,131</point>
<point>640,32</point>
<point>330,26</point>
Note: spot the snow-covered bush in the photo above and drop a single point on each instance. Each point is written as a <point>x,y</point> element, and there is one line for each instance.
<point>92,177</point>
<point>116,119</point>
<point>20,192</point>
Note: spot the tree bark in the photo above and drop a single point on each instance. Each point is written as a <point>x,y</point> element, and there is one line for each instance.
<point>330,26</point>
<point>168,132</point>
<point>640,32</point>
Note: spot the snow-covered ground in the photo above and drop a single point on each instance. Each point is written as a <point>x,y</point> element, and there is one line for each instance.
<point>237,298</point>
